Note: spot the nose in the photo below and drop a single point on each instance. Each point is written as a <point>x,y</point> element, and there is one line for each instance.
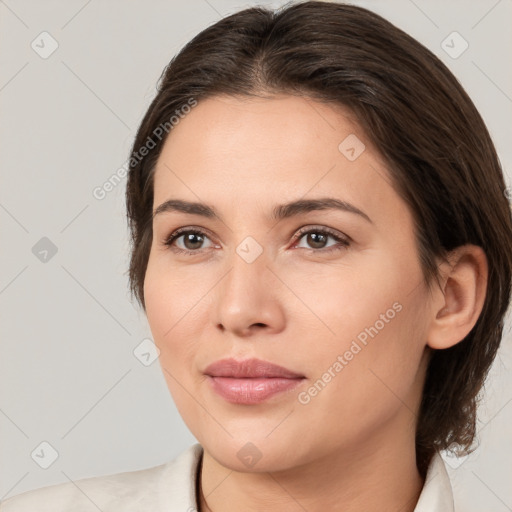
<point>248,300</point>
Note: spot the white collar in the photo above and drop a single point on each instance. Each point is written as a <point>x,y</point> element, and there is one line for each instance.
<point>178,492</point>
<point>436,494</point>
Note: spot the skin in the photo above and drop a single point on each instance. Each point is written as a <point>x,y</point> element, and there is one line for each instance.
<point>351,447</point>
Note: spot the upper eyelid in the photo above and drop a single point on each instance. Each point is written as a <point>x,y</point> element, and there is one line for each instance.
<point>187,229</point>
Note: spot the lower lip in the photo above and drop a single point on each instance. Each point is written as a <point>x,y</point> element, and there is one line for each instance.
<point>251,391</point>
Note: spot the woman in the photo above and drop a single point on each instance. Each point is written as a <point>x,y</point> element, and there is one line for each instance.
<point>322,244</point>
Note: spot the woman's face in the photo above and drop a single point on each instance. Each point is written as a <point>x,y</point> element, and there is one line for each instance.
<point>334,295</point>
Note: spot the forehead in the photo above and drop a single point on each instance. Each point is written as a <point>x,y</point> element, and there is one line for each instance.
<point>238,149</point>
<point>243,125</point>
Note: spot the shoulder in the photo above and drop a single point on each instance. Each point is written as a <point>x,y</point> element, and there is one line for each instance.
<point>154,488</point>
<point>87,494</point>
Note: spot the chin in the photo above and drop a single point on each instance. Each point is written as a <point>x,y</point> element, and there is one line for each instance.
<point>253,454</point>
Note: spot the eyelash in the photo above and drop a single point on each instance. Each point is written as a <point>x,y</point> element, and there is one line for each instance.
<point>345,242</point>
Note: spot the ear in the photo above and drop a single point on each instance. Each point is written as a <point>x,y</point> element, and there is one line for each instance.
<point>459,302</point>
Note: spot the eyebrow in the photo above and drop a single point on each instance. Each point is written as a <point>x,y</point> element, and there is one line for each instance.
<point>282,211</point>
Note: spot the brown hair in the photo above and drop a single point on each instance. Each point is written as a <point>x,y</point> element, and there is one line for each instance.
<point>441,158</point>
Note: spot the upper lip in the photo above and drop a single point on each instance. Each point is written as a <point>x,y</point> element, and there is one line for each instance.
<point>249,368</point>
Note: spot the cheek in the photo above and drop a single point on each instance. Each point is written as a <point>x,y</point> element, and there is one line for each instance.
<point>173,297</point>
<point>345,300</point>
<point>171,319</point>
<point>173,306</point>
<point>372,337</point>
<point>356,388</point>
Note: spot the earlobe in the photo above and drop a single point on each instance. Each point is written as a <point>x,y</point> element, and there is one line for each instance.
<point>458,304</point>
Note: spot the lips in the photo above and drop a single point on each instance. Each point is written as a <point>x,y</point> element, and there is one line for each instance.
<point>250,381</point>
<point>249,368</point>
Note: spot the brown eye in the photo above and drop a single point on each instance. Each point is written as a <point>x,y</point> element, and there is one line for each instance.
<point>317,239</point>
<point>192,241</point>
<point>187,240</point>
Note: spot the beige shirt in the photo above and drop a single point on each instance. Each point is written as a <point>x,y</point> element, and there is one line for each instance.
<point>171,487</point>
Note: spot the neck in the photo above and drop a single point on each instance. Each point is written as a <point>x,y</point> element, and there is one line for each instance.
<point>379,477</point>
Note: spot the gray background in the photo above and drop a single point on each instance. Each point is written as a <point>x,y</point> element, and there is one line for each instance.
<point>68,374</point>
